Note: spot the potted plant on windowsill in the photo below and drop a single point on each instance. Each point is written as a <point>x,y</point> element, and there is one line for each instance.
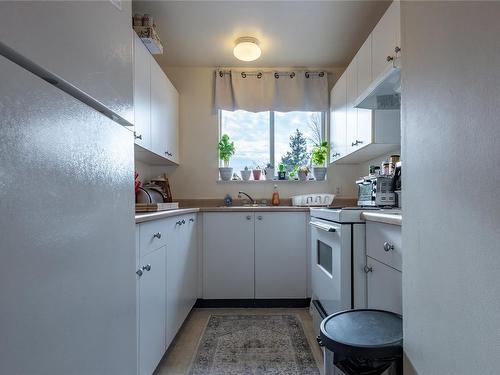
<point>269,171</point>
<point>281,172</point>
<point>256,173</point>
<point>226,150</point>
<point>303,172</point>
<point>245,174</point>
<point>318,158</point>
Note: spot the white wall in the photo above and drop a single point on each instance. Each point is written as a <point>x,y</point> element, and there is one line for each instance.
<point>197,175</point>
<point>451,153</point>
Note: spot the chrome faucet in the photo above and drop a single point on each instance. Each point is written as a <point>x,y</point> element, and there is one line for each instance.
<point>240,193</point>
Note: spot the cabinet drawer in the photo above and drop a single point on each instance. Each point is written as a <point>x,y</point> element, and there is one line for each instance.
<point>384,286</point>
<point>152,236</point>
<point>383,243</point>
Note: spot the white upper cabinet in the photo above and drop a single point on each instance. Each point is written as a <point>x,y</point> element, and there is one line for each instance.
<point>356,134</point>
<point>142,94</point>
<point>164,115</point>
<point>338,119</point>
<point>87,43</point>
<point>386,38</point>
<point>280,260</point>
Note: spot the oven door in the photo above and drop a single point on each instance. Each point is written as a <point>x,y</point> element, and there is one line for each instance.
<point>331,265</point>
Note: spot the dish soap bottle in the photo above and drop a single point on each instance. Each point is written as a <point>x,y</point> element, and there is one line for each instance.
<point>275,200</point>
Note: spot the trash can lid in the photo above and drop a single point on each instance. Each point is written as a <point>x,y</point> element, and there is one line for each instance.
<point>366,333</point>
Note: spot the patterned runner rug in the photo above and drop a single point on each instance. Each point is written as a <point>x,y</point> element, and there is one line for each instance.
<point>254,345</point>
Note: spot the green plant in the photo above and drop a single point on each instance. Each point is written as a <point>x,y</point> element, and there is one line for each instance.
<point>281,167</point>
<point>319,154</point>
<point>226,149</point>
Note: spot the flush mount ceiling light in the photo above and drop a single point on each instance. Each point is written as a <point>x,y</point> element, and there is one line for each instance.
<point>247,49</point>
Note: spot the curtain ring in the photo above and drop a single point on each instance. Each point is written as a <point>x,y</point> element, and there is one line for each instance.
<point>307,74</point>
<point>276,75</point>
<point>259,75</point>
<point>243,75</point>
<point>292,74</point>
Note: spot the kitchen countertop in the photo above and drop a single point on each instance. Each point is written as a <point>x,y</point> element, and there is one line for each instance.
<point>393,217</point>
<point>141,217</point>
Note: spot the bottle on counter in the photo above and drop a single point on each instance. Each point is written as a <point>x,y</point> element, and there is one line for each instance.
<point>275,200</point>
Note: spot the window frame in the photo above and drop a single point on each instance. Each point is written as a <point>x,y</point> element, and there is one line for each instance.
<point>324,133</point>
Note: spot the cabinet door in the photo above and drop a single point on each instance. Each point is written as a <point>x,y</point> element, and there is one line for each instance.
<point>386,36</point>
<point>164,114</point>
<point>182,269</point>
<point>228,255</point>
<point>364,66</point>
<point>352,113</point>
<point>383,243</point>
<point>338,136</point>
<point>280,255</point>
<point>172,120</point>
<point>152,311</point>
<point>142,97</point>
<point>384,287</point>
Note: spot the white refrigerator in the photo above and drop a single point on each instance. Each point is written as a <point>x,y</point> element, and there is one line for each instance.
<point>67,279</point>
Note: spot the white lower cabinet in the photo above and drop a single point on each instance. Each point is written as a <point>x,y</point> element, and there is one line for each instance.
<point>384,287</point>
<point>151,310</point>
<point>280,255</point>
<point>228,255</point>
<point>383,266</point>
<point>254,255</point>
<point>167,284</point>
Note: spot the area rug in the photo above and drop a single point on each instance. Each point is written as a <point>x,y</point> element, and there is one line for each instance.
<point>253,345</point>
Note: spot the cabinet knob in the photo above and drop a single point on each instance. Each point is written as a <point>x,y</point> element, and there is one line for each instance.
<point>249,217</point>
<point>139,272</point>
<point>191,220</point>
<point>335,154</point>
<point>390,58</point>
<point>168,153</point>
<point>259,217</point>
<point>397,49</point>
<point>147,267</point>
<point>183,221</point>
<point>368,269</point>
<point>157,235</point>
<point>137,136</point>
<point>178,222</point>
<point>388,246</point>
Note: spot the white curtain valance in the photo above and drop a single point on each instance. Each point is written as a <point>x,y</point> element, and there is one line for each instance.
<point>257,91</point>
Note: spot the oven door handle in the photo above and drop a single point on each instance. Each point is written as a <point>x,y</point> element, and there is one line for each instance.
<point>325,227</point>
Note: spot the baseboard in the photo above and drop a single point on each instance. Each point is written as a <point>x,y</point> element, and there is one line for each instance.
<point>255,303</point>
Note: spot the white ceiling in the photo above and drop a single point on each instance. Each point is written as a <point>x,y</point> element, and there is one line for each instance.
<point>291,33</point>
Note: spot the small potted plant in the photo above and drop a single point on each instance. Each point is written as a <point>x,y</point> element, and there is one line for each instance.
<point>303,172</point>
<point>226,150</point>
<point>318,158</point>
<point>281,172</point>
<point>245,174</point>
<point>256,173</point>
<point>269,171</point>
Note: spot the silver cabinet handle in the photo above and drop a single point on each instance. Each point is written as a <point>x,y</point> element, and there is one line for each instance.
<point>178,222</point>
<point>356,143</point>
<point>147,267</point>
<point>183,221</point>
<point>168,153</point>
<point>191,220</point>
<point>335,154</point>
<point>388,246</point>
<point>139,272</point>
<point>249,217</point>
<point>137,136</point>
<point>397,49</point>
<point>325,227</point>
<point>389,58</point>
<point>259,217</point>
<point>368,269</point>
<point>157,235</point>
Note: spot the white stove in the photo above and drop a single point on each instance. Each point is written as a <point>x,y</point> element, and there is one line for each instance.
<point>341,214</point>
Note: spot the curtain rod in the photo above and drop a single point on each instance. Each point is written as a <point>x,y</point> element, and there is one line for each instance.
<point>307,74</point>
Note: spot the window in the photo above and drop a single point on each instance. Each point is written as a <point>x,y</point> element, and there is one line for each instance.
<point>272,137</point>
